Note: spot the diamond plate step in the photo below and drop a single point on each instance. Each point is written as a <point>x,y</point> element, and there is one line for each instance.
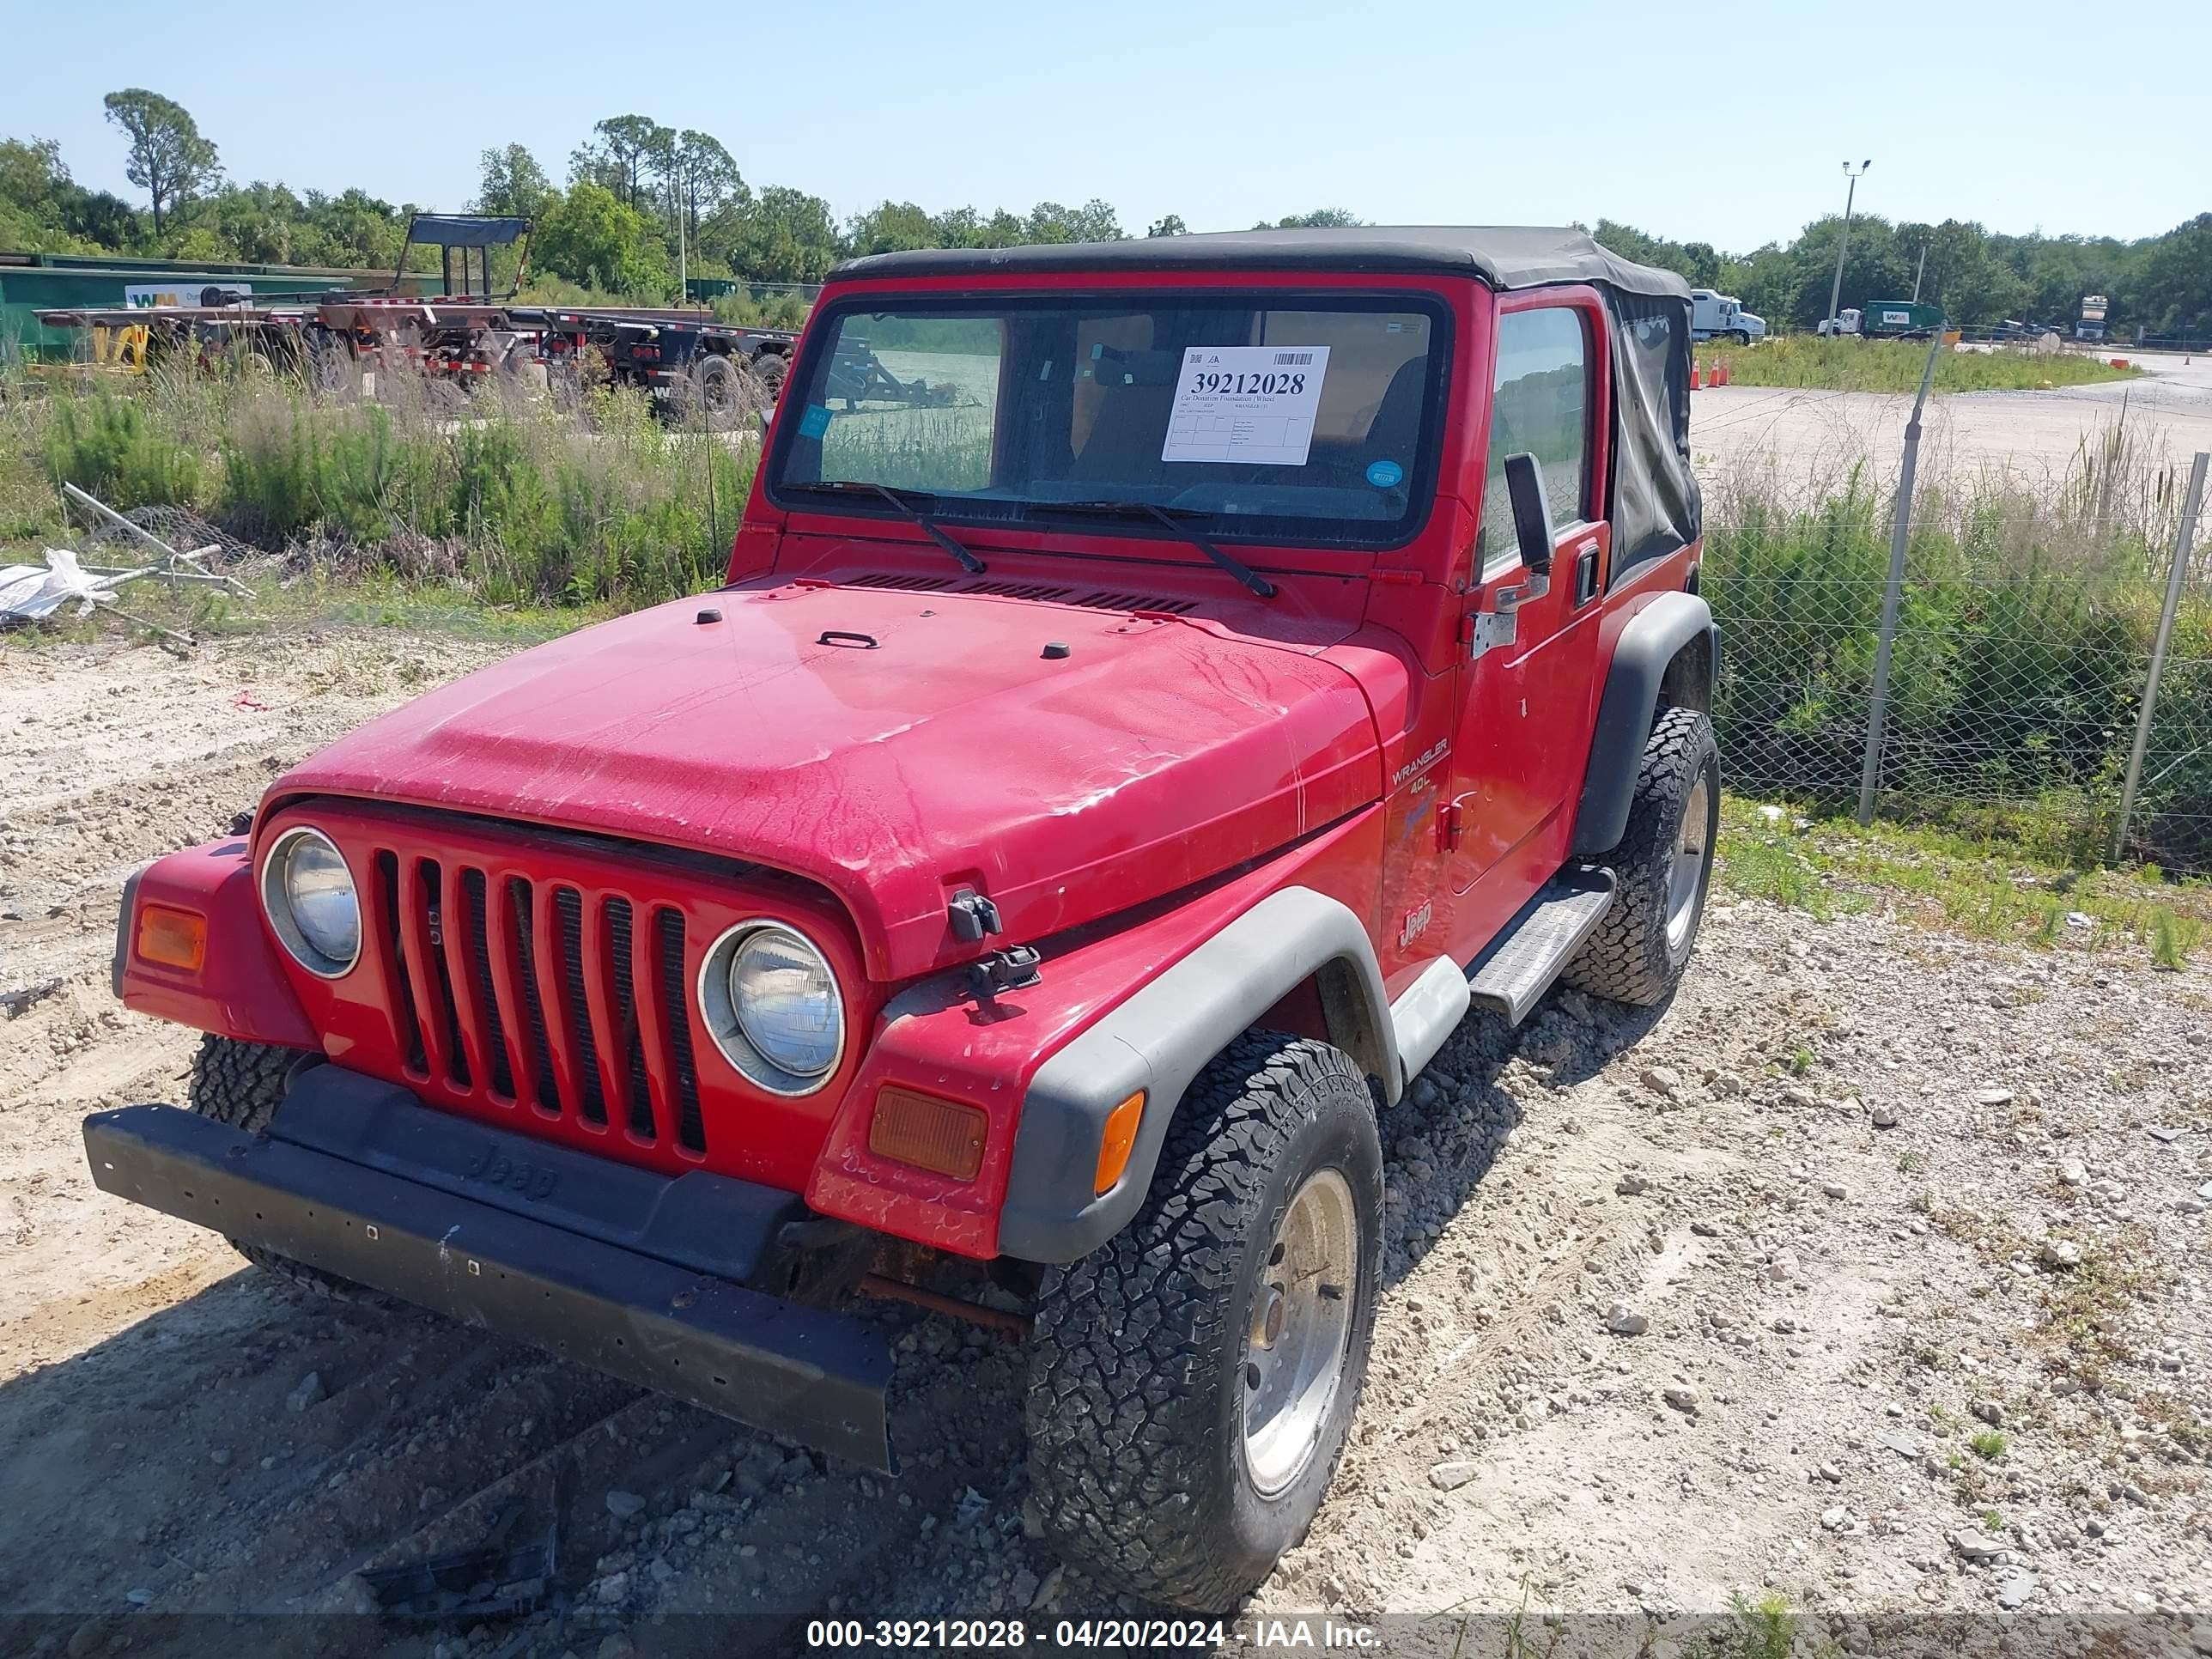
<point>1521,962</point>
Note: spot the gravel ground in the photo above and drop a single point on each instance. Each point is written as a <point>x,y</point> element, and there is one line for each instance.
<point>1871,1270</point>
<point>1810,438</point>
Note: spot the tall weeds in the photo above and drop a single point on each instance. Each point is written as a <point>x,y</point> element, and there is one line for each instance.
<point>2025,629</point>
<point>115,447</point>
<point>2023,637</point>
<point>531,504</point>
<point>1856,365</point>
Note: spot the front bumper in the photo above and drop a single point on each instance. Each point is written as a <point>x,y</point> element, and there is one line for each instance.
<point>608,1284</point>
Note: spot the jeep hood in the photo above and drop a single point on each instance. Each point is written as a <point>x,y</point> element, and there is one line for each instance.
<point>894,747</point>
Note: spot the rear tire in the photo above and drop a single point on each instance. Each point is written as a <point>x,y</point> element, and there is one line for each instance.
<point>770,368</point>
<point>242,1084</point>
<point>1663,866</point>
<point>726,391</point>
<point>1191,1384</point>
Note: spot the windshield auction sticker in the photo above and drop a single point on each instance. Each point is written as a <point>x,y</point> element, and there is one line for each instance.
<point>1246,404</point>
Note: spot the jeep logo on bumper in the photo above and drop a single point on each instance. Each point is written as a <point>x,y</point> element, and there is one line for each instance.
<point>496,1168</point>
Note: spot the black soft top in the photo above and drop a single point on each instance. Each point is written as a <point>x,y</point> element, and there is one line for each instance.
<point>1502,256</point>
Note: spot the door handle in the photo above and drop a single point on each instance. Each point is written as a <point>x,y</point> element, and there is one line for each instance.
<point>1485,630</point>
<point>1585,572</point>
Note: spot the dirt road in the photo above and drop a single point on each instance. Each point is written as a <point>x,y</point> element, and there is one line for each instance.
<point>1872,1270</point>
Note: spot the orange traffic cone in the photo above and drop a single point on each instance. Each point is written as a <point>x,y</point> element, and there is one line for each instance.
<point>1720,373</point>
<point>1697,379</point>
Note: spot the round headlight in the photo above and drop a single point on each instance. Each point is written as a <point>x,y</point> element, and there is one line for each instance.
<point>772,1005</point>
<point>310,897</point>
<point>786,1002</point>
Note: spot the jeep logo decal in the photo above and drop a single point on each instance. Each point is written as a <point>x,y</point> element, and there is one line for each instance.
<point>496,1168</point>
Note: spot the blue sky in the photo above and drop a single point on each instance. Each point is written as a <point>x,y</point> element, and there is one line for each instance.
<point>1723,123</point>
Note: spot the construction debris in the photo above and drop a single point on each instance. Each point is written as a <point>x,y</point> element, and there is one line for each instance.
<point>33,592</point>
<point>29,592</point>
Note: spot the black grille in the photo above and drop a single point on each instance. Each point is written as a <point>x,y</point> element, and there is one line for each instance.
<point>568,911</point>
<point>526,939</point>
<point>428,877</point>
<point>904,584</point>
<point>625,1016</point>
<point>472,894</point>
<point>1020,590</point>
<point>1103,600</point>
<point>690,1128</point>
<point>1135,602</point>
<point>387,896</point>
<point>450,942</point>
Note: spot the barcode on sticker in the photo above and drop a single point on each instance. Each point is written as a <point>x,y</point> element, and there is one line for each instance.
<point>1292,359</point>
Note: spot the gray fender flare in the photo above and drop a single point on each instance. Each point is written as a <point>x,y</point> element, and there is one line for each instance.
<point>1654,637</point>
<point>1159,1041</point>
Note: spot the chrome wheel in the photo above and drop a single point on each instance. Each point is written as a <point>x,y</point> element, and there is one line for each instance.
<point>1301,1328</point>
<point>1687,874</point>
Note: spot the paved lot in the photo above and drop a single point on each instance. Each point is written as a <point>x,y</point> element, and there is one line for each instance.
<point>1810,438</point>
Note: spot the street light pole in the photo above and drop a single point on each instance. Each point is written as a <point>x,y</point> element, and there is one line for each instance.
<point>1844,242</point>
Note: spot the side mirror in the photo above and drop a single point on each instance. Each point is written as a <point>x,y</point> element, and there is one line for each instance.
<point>1532,519</point>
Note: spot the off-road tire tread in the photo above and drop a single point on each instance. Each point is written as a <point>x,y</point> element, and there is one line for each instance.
<point>1625,958</point>
<point>1118,1407</point>
<point>240,1084</point>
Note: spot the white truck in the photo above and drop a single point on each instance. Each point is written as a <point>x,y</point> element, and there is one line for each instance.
<point>1719,317</point>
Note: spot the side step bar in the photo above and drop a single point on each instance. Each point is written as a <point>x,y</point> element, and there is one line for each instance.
<point>1524,959</point>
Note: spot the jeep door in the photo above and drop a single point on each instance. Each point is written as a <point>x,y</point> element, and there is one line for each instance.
<point>1526,703</point>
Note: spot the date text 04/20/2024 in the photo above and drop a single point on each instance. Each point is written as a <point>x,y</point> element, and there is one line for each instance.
<point>1200,1635</point>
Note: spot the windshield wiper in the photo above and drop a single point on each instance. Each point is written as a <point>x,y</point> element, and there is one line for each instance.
<point>1175,518</point>
<point>904,500</point>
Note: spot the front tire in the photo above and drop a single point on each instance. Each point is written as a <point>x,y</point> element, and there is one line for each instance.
<point>1193,1381</point>
<point>242,1084</point>
<point>1663,866</point>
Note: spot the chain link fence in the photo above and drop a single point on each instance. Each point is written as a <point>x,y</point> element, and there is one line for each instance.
<point>2027,624</point>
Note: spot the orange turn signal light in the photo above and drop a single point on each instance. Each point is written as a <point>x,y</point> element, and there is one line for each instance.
<point>941,1136</point>
<point>173,938</point>
<point>1119,1140</point>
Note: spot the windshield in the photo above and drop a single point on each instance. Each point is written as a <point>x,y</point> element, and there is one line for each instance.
<point>1311,419</point>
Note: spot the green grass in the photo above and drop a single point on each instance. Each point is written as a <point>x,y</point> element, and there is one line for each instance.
<point>1986,885</point>
<point>1805,360</point>
<point>516,502</point>
<point>1764,1629</point>
<point>2025,627</point>
<point>1989,1445</point>
<point>110,445</point>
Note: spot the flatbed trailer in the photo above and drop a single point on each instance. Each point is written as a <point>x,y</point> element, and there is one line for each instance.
<point>672,355</point>
<point>684,357</point>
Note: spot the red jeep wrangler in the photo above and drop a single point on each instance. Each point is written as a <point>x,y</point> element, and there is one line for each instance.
<point>1159,686</point>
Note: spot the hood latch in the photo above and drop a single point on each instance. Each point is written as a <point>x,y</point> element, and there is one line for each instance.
<point>972,916</point>
<point>1014,969</point>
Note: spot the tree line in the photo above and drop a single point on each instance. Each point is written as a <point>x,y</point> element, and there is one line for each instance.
<point>2157,284</point>
<point>640,199</point>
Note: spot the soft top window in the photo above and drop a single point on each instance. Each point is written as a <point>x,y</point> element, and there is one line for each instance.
<point>1298,418</point>
<point>1655,507</point>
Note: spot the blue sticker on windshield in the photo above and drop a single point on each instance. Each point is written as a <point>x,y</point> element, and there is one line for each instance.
<point>1384,474</point>
<point>815,421</point>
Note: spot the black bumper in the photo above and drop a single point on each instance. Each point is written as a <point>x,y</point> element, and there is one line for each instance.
<point>816,1375</point>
